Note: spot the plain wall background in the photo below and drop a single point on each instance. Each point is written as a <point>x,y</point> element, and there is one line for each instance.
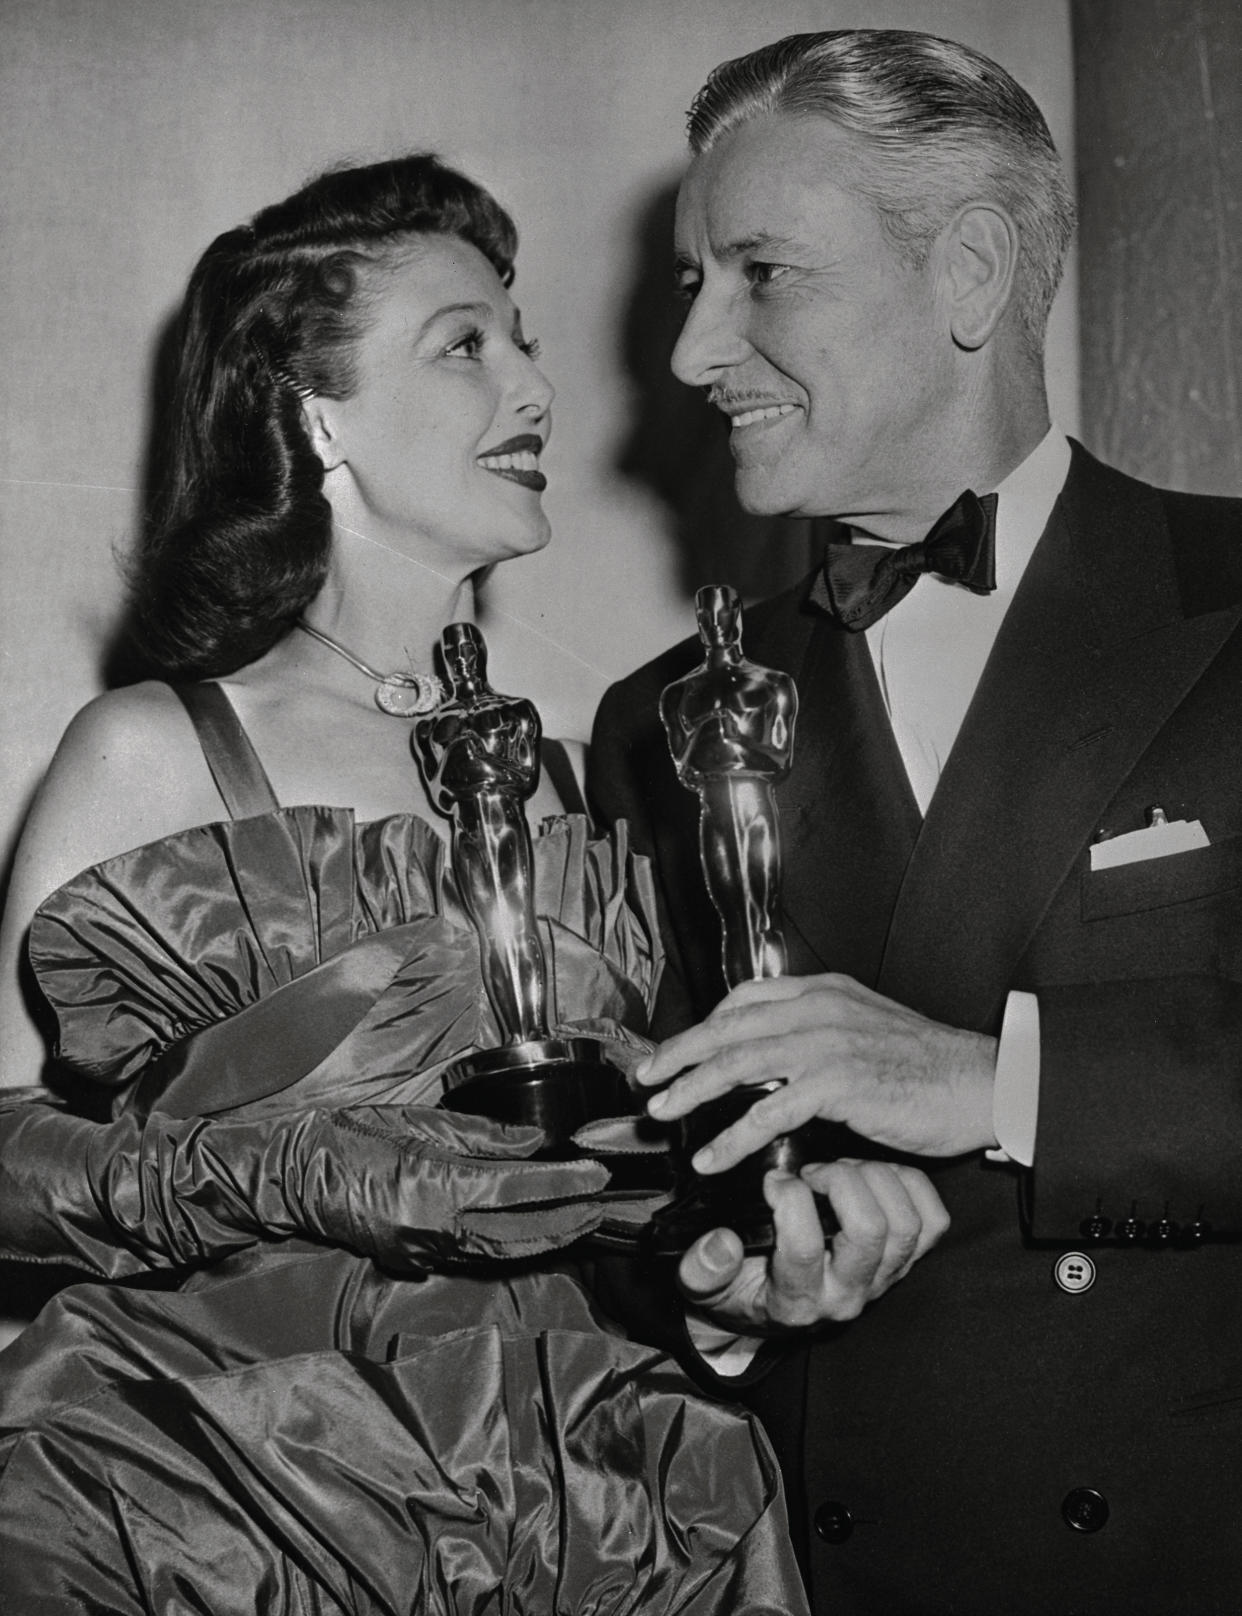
<point>136,130</point>
<point>1159,100</point>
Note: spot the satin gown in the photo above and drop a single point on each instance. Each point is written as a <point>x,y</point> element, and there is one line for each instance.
<point>293,1430</point>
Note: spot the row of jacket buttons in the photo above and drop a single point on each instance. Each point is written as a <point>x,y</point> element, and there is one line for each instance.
<point>1131,1230</point>
<point>1085,1509</point>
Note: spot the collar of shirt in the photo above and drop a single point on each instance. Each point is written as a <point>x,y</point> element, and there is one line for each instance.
<point>930,650</point>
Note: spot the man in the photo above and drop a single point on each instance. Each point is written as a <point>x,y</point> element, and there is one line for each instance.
<point>1013,876</point>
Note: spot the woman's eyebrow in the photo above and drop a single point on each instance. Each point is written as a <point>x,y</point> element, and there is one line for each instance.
<point>479,311</point>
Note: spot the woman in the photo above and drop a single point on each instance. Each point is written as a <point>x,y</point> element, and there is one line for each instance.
<point>268,964</point>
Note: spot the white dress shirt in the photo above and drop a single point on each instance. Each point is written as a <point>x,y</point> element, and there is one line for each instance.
<point>929,652</point>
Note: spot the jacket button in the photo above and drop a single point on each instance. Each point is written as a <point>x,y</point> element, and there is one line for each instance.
<point>833,1522</point>
<point>1074,1272</point>
<point>1096,1227</point>
<point>1132,1228</point>
<point>1085,1509</point>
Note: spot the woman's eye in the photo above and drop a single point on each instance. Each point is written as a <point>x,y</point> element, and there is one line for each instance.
<point>529,347</point>
<point>467,347</point>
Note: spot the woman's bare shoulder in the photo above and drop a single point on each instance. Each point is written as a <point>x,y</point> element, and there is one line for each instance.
<point>136,720</point>
<point>128,770</point>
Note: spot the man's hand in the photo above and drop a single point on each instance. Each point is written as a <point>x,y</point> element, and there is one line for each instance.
<point>890,1216</point>
<point>846,1054</point>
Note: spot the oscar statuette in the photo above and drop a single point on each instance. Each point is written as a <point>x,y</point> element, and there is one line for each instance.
<point>478,754</point>
<point>730,727</point>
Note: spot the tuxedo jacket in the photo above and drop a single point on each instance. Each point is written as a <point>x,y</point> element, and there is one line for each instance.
<point>1045,1416</point>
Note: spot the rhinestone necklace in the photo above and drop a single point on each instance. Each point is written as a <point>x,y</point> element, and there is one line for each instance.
<point>403,695</point>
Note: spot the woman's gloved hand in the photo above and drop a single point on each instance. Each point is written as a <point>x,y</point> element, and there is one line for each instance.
<point>410,1186</point>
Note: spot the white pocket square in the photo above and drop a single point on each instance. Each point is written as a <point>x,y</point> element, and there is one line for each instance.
<point>1155,841</point>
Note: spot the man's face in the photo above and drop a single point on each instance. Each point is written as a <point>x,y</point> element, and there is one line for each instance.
<point>830,354</point>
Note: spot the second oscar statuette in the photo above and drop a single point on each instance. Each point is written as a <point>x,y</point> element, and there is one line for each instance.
<point>730,728</point>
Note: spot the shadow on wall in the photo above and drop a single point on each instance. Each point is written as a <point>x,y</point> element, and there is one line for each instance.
<point>678,444</point>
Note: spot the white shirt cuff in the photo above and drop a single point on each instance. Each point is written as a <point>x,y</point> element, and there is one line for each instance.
<point>1015,1098</point>
<point>723,1351</point>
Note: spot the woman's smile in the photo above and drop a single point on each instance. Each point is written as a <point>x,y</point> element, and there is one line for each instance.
<point>517,461</point>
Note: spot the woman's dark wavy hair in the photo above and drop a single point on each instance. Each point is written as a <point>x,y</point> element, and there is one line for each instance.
<point>239,534</point>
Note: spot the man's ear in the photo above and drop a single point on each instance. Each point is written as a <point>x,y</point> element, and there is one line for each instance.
<point>981,262</point>
<point>321,423</point>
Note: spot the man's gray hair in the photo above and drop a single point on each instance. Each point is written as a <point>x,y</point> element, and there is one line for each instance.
<point>935,125</point>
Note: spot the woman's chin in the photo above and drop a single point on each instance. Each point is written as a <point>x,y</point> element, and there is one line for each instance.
<point>514,545</point>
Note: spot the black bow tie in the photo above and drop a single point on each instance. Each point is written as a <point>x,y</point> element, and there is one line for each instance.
<point>860,582</point>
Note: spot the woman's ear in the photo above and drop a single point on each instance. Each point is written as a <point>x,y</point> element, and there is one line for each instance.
<point>321,424</point>
<point>981,263</point>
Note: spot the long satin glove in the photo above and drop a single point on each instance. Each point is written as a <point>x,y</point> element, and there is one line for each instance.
<point>412,1187</point>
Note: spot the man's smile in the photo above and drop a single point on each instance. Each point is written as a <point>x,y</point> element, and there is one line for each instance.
<point>759,414</point>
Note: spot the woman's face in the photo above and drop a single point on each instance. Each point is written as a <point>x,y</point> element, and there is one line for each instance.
<point>438,448</point>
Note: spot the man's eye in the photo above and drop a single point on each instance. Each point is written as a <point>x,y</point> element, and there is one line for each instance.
<point>764,274</point>
<point>686,287</point>
<point>468,346</point>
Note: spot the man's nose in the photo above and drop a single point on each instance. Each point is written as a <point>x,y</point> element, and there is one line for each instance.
<point>711,341</point>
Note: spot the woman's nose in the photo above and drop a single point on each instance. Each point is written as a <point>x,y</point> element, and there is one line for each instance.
<point>537,392</point>
<point>711,341</point>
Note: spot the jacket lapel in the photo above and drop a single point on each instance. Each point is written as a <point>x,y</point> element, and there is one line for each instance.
<point>840,876</point>
<point>1093,656</point>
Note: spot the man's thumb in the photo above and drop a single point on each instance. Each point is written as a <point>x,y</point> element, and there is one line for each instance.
<point>711,1264</point>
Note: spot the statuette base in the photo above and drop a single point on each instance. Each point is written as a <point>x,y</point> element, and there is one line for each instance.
<point>557,1084</point>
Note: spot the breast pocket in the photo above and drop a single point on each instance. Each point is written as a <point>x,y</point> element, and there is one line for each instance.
<point>1159,883</point>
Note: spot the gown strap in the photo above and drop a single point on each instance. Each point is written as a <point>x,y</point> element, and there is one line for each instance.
<point>239,776</point>
<point>560,771</point>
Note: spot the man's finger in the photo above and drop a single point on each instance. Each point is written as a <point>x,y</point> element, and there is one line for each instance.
<point>767,1119</point>
<point>932,1211</point>
<point>858,1246</point>
<point>905,1224</point>
<point>737,1065</point>
<point>768,990</point>
<point>711,1266</point>
<point>796,1269</point>
<point>738,1021</point>
<point>891,1217</point>
<point>684,1049</point>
